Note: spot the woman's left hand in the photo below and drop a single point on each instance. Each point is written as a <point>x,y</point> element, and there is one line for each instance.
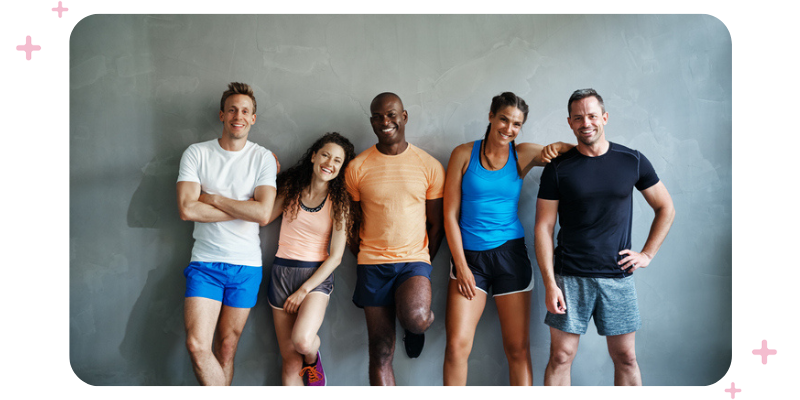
<point>294,301</point>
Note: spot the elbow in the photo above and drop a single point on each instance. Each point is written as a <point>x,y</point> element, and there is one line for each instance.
<point>185,215</point>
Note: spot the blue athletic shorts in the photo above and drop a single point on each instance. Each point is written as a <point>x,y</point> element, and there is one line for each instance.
<point>376,283</point>
<point>506,268</point>
<point>288,275</point>
<point>611,301</point>
<point>233,285</point>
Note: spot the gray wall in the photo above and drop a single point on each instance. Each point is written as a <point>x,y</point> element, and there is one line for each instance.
<point>145,87</point>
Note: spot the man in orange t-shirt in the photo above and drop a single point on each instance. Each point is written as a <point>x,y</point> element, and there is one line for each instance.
<point>397,189</point>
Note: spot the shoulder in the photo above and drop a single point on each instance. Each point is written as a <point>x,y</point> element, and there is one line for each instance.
<point>570,156</point>
<point>258,149</point>
<point>360,159</point>
<point>619,149</point>
<point>423,156</point>
<point>463,150</point>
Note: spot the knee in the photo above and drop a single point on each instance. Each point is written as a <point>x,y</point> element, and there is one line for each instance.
<point>381,350</point>
<point>458,347</point>
<point>292,364</point>
<point>304,344</point>
<point>196,347</point>
<point>226,348</point>
<point>561,356</point>
<point>517,351</point>
<point>417,320</point>
<point>624,358</point>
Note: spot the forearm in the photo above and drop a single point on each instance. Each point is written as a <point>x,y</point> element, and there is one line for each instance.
<point>248,210</point>
<point>435,236</point>
<point>323,272</point>
<point>201,212</point>
<point>543,245</point>
<point>658,231</point>
<point>455,242</point>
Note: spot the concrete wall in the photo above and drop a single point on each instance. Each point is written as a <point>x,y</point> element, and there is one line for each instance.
<point>144,87</point>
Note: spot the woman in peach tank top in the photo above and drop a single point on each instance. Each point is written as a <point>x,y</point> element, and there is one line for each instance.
<point>315,208</point>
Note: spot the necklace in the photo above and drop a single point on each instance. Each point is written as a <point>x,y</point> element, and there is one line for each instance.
<point>315,209</point>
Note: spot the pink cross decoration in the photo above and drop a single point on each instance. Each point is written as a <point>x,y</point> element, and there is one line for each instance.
<point>28,48</point>
<point>764,352</point>
<point>733,390</point>
<point>60,9</point>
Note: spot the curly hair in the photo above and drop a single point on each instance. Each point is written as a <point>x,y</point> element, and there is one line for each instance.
<point>294,180</point>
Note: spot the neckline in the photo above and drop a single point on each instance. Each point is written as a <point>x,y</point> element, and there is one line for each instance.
<point>480,144</point>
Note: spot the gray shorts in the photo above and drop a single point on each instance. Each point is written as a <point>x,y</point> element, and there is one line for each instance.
<point>288,275</point>
<point>611,301</point>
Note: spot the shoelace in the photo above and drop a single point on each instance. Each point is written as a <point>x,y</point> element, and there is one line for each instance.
<point>313,374</point>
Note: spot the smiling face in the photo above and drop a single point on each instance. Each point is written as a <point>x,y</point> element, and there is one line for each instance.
<point>388,119</point>
<point>505,124</point>
<point>587,120</point>
<point>237,117</point>
<point>327,161</point>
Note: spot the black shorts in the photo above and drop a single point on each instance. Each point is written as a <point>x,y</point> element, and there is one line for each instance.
<point>507,268</point>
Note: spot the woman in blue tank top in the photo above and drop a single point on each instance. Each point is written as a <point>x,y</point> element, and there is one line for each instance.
<point>486,239</point>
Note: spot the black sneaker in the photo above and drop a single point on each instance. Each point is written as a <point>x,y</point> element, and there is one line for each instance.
<point>414,343</point>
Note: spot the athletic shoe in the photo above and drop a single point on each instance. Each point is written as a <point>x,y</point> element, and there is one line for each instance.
<point>313,375</point>
<point>414,343</point>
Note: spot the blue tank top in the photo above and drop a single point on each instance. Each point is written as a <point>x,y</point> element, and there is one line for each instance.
<point>489,202</point>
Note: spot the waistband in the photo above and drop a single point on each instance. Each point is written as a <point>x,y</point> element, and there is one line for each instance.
<point>284,262</point>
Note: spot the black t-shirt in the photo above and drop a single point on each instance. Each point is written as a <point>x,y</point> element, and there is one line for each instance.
<point>595,207</point>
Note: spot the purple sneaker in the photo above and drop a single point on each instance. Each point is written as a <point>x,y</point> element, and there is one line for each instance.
<point>313,375</point>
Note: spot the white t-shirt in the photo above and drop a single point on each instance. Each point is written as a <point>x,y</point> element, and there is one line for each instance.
<point>235,175</point>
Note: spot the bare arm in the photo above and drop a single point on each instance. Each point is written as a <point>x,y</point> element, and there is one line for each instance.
<point>277,209</point>
<point>435,225</point>
<point>456,167</point>
<point>191,209</point>
<point>659,199</point>
<point>258,210</point>
<point>535,155</point>
<point>546,217</point>
<point>355,238</point>
<point>338,241</point>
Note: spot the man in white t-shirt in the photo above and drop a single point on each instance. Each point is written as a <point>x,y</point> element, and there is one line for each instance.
<point>227,187</point>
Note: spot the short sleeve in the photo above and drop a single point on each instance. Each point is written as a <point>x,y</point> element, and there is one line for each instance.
<point>647,174</point>
<point>268,171</point>
<point>190,165</point>
<point>548,187</point>
<point>351,181</point>
<point>436,180</point>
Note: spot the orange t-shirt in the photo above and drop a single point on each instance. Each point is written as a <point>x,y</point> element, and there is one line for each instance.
<point>306,238</point>
<point>392,191</point>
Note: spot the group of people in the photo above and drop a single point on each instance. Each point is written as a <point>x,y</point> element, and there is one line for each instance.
<point>392,205</point>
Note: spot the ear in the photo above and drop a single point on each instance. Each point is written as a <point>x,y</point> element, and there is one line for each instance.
<point>220,115</point>
<point>405,116</point>
<point>253,122</point>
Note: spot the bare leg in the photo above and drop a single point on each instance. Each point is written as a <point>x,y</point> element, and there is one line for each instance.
<point>461,320</point>
<point>514,311</point>
<point>229,330</point>
<point>309,320</point>
<point>563,347</point>
<point>622,349</point>
<point>413,304</point>
<point>200,316</point>
<point>381,335</point>
<point>292,361</point>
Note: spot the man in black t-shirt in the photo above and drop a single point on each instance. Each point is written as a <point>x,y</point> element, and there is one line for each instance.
<point>589,190</point>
